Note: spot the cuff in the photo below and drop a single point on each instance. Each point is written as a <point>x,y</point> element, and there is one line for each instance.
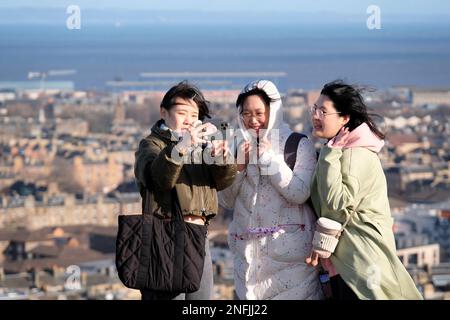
<point>173,156</point>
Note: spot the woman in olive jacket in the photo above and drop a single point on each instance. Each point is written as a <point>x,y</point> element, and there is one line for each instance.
<point>162,164</point>
<point>349,185</point>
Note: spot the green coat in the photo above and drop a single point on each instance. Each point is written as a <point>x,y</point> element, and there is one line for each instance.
<point>196,184</point>
<point>352,181</point>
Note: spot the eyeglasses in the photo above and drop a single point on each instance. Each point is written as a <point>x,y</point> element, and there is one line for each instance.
<point>320,113</point>
<point>248,116</point>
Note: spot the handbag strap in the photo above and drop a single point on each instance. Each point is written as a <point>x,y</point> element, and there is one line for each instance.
<point>343,226</point>
<point>347,221</point>
<point>175,206</point>
<point>148,202</point>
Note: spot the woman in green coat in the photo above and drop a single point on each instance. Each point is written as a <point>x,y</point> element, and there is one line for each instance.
<point>349,185</point>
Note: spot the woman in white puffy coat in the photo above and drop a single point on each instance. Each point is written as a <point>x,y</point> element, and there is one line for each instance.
<point>272,227</point>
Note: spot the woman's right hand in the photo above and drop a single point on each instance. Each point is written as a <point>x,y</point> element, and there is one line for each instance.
<point>193,136</point>
<point>340,140</point>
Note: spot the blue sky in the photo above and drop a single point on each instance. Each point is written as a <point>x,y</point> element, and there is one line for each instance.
<point>415,13</point>
<point>403,7</point>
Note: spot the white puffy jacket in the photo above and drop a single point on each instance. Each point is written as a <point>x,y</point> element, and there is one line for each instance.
<point>272,266</point>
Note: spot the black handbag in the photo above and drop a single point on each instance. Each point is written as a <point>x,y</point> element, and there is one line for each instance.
<point>165,255</point>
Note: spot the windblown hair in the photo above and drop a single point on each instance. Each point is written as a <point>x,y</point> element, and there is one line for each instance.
<point>186,90</point>
<point>348,101</point>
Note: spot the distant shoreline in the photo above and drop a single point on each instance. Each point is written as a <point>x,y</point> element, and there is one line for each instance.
<point>310,56</point>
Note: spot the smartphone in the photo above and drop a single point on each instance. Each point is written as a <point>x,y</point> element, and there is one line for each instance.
<point>222,127</point>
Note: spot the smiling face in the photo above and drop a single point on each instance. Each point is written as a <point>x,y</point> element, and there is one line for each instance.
<point>255,114</point>
<point>181,114</point>
<point>326,126</point>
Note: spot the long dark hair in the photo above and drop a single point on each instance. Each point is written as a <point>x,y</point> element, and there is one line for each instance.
<point>348,100</point>
<point>186,90</point>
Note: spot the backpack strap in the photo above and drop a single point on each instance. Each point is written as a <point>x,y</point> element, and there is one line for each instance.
<point>290,148</point>
<point>290,154</point>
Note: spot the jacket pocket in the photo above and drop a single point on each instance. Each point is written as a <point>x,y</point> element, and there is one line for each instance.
<point>292,244</point>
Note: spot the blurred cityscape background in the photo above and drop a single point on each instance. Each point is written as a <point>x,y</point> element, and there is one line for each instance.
<point>74,104</point>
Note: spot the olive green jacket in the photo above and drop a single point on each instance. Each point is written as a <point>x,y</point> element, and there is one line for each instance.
<point>352,182</point>
<point>196,184</point>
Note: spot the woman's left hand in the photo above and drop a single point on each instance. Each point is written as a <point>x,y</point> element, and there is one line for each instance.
<point>313,258</point>
<point>264,145</point>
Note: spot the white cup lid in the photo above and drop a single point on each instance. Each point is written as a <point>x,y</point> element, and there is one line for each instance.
<point>329,224</point>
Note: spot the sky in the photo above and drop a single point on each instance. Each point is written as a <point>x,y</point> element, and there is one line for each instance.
<point>413,7</point>
<point>415,13</point>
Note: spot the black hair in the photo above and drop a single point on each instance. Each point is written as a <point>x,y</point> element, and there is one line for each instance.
<point>254,92</point>
<point>348,101</point>
<point>186,90</point>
